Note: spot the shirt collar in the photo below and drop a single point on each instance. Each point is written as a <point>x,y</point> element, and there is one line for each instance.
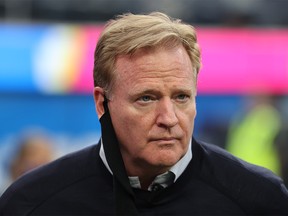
<point>177,169</point>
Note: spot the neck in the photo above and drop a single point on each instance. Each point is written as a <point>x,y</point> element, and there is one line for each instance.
<point>146,182</point>
<point>146,173</point>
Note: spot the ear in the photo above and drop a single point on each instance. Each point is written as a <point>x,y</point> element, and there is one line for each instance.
<point>98,100</point>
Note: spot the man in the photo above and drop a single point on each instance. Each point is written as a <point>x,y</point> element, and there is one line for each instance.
<point>147,162</point>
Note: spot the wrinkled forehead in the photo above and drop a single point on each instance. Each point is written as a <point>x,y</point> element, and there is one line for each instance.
<point>162,63</point>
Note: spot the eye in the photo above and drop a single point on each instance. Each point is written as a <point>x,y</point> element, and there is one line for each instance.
<point>145,98</point>
<point>182,97</point>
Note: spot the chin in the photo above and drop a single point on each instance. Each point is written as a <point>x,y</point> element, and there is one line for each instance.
<point>167,160</point>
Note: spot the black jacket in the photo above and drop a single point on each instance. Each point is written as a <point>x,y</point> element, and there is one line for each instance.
<point>214,183</point>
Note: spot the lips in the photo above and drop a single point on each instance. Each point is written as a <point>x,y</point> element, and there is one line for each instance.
<point>166,136</point>
<point>165,139</point>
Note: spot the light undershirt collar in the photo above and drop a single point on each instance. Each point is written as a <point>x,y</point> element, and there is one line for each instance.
<point>177,169</point>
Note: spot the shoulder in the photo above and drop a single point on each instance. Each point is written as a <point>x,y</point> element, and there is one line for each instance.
<point>253,187</point>
<point>34,187</point>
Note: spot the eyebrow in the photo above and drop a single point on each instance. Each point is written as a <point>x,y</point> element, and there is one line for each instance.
<point>137,93</point>
<point>140,92</point>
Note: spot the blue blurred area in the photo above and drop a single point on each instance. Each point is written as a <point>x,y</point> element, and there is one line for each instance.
<point>70,114</point>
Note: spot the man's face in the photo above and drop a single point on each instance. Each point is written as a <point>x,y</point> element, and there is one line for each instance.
<point>153,108</point>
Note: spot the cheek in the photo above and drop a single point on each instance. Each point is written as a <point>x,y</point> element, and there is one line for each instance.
<point>186,122</point>
<point>131,129</point>
<point>188,116</point>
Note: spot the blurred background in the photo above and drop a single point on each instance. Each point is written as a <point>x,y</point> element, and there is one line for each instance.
<point>46,62</point>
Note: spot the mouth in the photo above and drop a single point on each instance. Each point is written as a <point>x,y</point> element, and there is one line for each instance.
<point>165,140</point>
<point>163,137</point>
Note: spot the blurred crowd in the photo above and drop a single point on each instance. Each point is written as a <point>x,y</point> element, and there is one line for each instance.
<point>257,133</point>
<point>199,12</point>
<point>34,147</point>
<point>30,151</point>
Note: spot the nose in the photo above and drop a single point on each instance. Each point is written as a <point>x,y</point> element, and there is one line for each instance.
<point>166,113</point>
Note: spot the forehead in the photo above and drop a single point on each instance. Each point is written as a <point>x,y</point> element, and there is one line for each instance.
<point>166,63</point>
